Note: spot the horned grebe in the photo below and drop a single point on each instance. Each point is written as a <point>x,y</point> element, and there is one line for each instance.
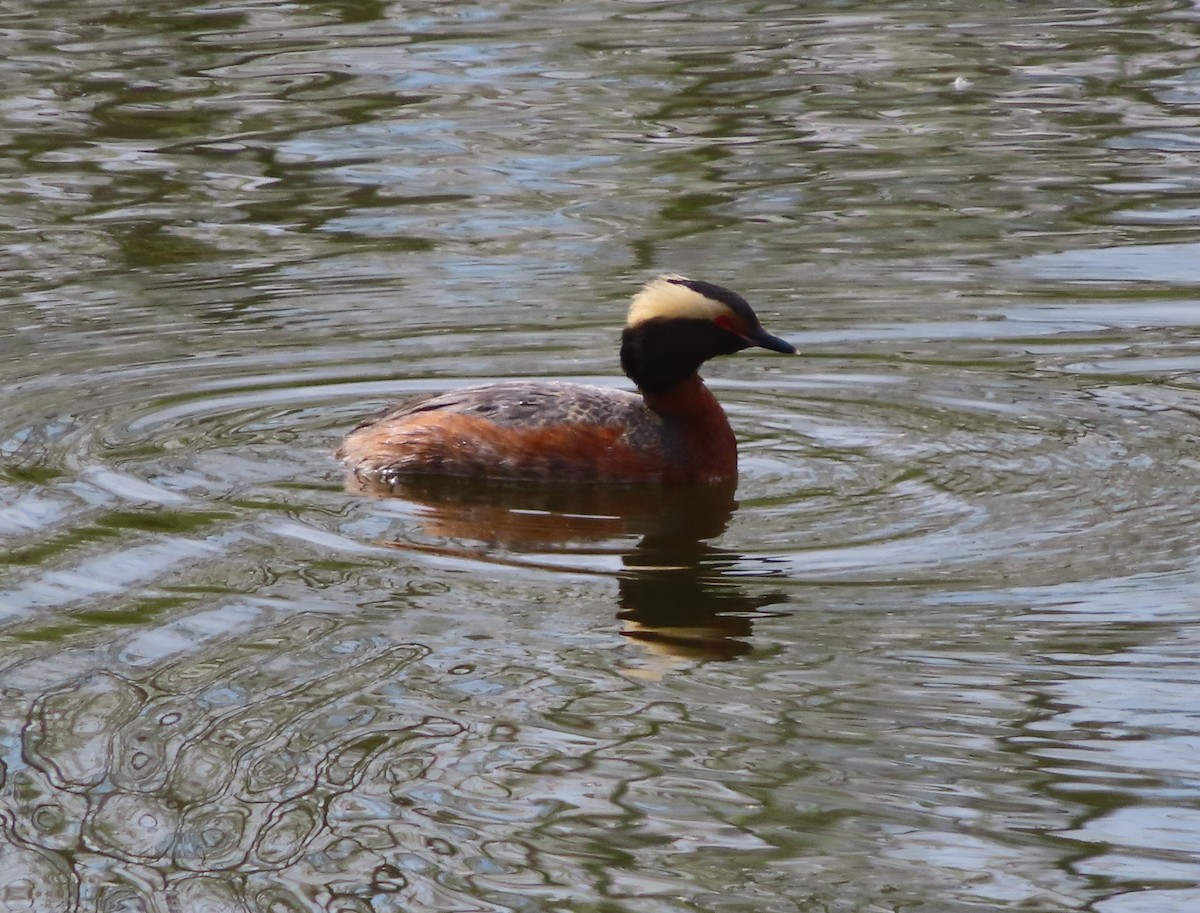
<point>672,430</point>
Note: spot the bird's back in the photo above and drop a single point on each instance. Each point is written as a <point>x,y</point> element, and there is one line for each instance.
<point>528,404</point>
<point>539,431</point>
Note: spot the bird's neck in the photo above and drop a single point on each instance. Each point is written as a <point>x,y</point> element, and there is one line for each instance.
<point>698,423</point>
<point>689,398</point>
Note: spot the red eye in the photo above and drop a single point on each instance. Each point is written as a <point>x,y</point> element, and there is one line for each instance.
<point>725,322</point>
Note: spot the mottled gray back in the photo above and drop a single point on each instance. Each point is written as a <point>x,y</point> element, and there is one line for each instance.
<point>535,404</point>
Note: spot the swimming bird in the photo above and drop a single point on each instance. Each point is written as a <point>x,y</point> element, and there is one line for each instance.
<point>672,430</point>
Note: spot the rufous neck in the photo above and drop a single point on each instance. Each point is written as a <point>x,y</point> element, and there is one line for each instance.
<point>698,424</point>
<point>687,398</point>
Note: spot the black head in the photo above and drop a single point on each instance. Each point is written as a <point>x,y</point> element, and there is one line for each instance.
<point>676,324</point>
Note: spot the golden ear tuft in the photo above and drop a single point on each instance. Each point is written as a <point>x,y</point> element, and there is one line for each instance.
<point>669,297</point>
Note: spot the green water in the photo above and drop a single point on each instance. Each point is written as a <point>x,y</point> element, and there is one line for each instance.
<point>940,656</point>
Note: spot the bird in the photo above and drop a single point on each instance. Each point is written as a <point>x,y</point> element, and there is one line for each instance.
<point>672,431</point>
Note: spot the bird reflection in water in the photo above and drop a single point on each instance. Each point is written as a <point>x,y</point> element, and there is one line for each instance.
<point>680,598</point>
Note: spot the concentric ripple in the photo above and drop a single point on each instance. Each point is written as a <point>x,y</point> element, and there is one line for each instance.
<point>302,683</point>
<point>1011,465</point>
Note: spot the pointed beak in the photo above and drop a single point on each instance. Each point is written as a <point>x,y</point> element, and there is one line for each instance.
<point>760,337</point>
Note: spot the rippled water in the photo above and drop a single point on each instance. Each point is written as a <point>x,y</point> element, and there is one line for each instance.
<point>942,653</point>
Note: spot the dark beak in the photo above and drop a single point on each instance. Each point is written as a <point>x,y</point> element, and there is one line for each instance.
<point>760,337</point>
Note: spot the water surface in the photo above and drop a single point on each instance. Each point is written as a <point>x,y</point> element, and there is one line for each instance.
<point>939,655</point>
